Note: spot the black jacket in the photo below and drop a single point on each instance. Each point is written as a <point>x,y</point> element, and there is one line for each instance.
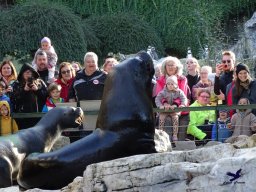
<point>220,83</point>
<point>28,101</point>
<point>86,87</point>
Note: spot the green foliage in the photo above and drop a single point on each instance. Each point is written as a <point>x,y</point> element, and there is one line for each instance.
<point>181,23</point>
<point>25,25</point>
<point>123,32</point>
<point>92,41</point>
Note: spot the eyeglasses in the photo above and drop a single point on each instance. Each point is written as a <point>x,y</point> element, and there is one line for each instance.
<point>226,61</point>
<point>170,65</point>
<point>64,72</point>
<point>204,96</point>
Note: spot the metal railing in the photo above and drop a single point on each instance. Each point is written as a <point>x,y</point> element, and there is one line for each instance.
<point>95,112</point>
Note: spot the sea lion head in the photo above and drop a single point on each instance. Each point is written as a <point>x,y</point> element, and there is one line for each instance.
<point>127,95</point>
<point>66,117</point>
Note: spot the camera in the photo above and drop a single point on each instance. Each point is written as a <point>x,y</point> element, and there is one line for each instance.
<point>30,81</point>
<point>225,67</point>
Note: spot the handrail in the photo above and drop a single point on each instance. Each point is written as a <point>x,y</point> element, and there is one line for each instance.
<point>203,108</point>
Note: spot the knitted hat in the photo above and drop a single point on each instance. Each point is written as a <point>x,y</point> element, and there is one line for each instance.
<point>172,79</point>
<point>46,39</point>
<point>241,67</point>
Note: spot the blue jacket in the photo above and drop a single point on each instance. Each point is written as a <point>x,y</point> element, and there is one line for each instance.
<point>223,131</point>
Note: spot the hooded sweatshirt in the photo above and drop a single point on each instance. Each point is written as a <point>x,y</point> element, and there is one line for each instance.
<point>8,124</point>
<point>243,122</point>
<point>28,101</point>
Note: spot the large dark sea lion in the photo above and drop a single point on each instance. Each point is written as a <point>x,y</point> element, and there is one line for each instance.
<point>40,138</point>
<point>125,127</point>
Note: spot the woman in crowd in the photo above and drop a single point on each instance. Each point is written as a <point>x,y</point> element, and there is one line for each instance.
<point>109,63</point>
<point>158,72</point>
<point>245,86</point>
<point>89,82</point>
<point>200,125</point>
<point>172,66</point>
<point>65,79</point>
<point>205,82</point>
<point>229,93</point>
<point>193,76</point>
<point>29,95</point>
<point>9,74</point>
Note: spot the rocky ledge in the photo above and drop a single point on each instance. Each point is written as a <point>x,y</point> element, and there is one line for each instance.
<point>222,167</point>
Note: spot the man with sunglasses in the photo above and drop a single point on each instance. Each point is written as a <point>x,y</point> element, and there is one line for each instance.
<point>224,74</point>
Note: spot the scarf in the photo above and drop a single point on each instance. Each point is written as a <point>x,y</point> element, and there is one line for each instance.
<point>246,84</point>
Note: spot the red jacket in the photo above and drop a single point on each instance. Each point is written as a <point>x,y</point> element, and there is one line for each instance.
<point>64,88</point>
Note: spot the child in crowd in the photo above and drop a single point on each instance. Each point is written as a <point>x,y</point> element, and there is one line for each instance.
<point>3,96</point>
<point>167,99</point>
<point>223,126</point>
<point>243,122</point>
<point>54,97</point>
<point>8,124</point>
<point>52,57</point>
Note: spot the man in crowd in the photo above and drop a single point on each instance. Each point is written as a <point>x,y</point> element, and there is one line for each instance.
<point>41,65</point>
<point>224,74</point>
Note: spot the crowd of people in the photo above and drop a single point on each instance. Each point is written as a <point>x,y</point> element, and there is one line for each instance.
<point>231,84</point>
<point>39,87</point>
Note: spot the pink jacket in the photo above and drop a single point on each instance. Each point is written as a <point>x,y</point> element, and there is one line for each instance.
<point>182,83</point>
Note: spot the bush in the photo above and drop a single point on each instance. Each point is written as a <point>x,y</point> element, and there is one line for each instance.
<point>181,24</point>
<point>93,42</point>
<point>123,32</point>
<point>25,25</point>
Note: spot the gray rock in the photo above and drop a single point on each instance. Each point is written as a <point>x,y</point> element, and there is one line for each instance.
<point>203,169</point>
<point>184,145</point>
<point>61,142</point>
<point>75,186</point>
<point>10,189</point>
<point>162,141</point>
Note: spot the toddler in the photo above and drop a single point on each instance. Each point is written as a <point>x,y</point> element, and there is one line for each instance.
<point>3,96</point>
<point>243,122</point>
<point>52,57</point>
<point>8,124</point>
<point>223,126</point>
<point>167,99</point>
<point>54,97</point>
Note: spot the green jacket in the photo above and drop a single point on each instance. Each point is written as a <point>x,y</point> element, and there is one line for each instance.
<point>198,118</point>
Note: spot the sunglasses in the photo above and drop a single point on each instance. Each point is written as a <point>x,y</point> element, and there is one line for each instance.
<point>226,61</point>
<point>64,72</point>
